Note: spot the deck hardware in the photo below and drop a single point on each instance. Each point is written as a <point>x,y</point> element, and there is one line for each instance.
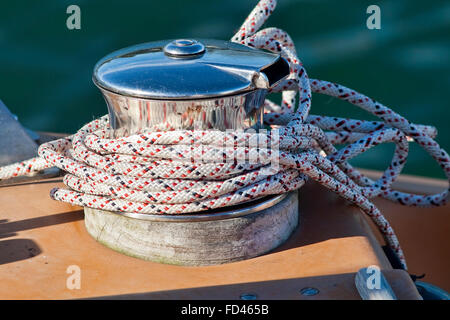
<point>309,291</point>
<point>213,93</point>
<point>184,47</point>
<point>249,296</point>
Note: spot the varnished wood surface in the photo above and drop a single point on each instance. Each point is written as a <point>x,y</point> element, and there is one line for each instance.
<point>424,233</point>
<point>40,238</point>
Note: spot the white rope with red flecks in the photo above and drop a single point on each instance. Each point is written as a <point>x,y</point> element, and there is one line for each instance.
<point>153,172</point>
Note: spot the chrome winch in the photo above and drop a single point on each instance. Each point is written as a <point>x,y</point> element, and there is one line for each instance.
<point>191,84</point>
<point>187,85</point>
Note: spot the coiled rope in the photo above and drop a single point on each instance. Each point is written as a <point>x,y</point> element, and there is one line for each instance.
<point>153,172</point>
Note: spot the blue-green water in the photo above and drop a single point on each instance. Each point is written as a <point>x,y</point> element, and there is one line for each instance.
<point>45,69</point>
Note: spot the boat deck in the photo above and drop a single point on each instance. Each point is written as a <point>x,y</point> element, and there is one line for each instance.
<point>40,238</point>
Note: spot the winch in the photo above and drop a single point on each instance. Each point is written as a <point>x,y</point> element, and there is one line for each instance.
<point>189,84</point>
<point>182,171</point>
<point>193,166</point>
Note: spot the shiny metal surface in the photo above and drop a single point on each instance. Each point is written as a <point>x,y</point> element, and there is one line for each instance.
<point>186,84</point>
<point>246,208</point>
<point>225,68</point>
<point>134,115</point>
<point>184,48</point>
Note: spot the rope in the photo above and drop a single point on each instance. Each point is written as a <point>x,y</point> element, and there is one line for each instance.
<point>176,172</point>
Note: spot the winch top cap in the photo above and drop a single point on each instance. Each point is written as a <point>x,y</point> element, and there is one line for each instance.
<point>183,48</point>
<point>187,69</point>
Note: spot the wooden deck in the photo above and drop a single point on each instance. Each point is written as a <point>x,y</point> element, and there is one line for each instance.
<point>41,238</point>
<point>424,233</point>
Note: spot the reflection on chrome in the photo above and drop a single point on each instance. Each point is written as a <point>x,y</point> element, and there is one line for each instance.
<point>129,115</point>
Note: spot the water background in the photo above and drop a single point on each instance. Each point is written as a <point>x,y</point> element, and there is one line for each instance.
<point>46,69</point>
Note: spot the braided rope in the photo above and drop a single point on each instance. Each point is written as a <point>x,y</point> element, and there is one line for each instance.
<point>154,172</point>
